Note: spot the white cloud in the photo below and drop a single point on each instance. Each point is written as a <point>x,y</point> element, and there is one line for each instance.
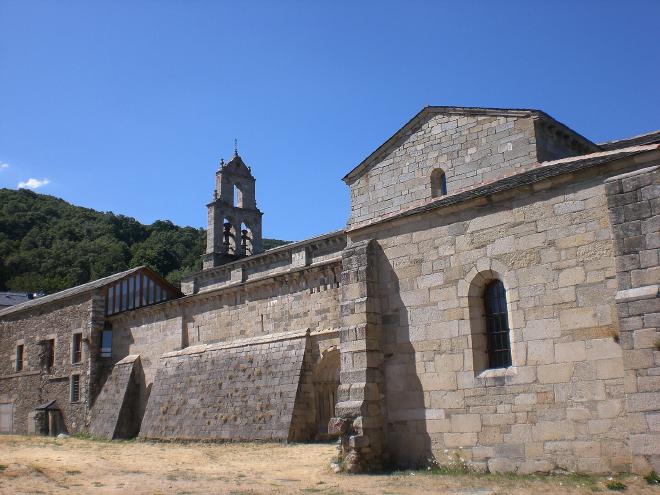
<point>33,183</point>
<point>3,166</point>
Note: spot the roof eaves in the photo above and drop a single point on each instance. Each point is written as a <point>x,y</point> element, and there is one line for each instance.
<point>83,289</point>
<point>543,171</point>
<point>640,139</point>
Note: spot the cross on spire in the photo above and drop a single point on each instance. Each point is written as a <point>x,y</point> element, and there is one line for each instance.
<point>235,147</point>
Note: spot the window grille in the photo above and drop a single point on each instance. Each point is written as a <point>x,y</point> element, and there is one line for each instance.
<point>75,388</point>
<point>497,326</point>
<point>134,292</point>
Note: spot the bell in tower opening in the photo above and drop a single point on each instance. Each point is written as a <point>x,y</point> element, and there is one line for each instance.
<point>234,220</point>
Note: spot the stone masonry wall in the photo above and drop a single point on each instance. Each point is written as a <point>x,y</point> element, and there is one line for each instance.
<point>149,333</point>
<point>305,299</point>
<point>634,201</point>
<point>561,404</point>
<point>36,385</point>
<point>241,390</point>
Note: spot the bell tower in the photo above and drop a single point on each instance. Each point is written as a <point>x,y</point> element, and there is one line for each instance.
<point>234,228</point>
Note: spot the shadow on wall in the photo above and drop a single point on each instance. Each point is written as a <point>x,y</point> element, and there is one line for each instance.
<point>406,414</point>
<point>134,406</point>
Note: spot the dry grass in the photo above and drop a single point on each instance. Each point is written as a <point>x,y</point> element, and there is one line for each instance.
<point>52,466</point>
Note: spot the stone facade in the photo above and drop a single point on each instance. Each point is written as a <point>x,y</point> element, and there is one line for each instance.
<point>383,334</point>
<point>76,315</point>
<point>37,384</point>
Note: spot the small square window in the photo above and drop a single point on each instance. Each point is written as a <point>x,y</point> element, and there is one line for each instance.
<point>75,388</point>
<point>19,357</point>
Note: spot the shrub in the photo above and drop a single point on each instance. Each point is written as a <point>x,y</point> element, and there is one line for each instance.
<point>616,486</point>
<point>652,478</point>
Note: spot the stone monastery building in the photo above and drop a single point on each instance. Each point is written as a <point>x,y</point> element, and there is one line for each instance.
<point>494,293</point>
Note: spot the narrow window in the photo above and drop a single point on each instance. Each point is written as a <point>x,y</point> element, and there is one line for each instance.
<point>76,349</point>
<point>111,301</point>
<point>19,357</point>
<point>50,353</point>
<point>106,343</point>
<point>497,326</point>
<point>438,183</point>
<point>75,388</point>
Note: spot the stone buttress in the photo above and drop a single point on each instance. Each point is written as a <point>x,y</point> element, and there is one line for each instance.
<point>248,389</point>
<point>117,412</point>
<point>634,203</point>
<point>359,417</point>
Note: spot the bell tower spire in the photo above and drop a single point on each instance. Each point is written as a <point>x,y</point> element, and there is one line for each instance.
<point>234,221</point>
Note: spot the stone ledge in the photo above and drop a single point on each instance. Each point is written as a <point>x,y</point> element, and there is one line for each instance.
<point>641,171</point>
<point>263,339</point>
<point>20,374</point>
<point>131,358</point>
<point>638,294</point>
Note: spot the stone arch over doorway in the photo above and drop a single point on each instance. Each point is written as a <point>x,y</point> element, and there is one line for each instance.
<point>326,382</point>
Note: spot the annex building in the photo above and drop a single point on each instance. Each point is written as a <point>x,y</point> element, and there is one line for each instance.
<point>495,292</point>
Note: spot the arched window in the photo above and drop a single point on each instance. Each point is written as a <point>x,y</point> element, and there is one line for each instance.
<point>497,325</point>
<point>237,200</point>
<point>438,183</point>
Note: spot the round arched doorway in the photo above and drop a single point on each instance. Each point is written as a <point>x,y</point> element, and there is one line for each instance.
<point>326,382</point>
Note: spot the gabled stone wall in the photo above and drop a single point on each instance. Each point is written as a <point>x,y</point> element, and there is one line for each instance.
<point>470,147</point>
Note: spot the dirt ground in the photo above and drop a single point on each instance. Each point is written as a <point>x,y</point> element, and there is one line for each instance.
<point>45,465</point>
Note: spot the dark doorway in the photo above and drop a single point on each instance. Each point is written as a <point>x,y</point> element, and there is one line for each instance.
<point>326,382</point>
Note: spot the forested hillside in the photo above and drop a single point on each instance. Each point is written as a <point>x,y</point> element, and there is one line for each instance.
<point>47,243</point>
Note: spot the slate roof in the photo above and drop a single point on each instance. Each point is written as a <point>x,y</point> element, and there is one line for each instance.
<point>642,139</point>
<point>85,288</point>
<point>428,111</point>
<point>12,298</point>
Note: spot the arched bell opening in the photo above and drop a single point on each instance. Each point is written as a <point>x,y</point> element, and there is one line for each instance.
<point>228,236</point>
<point>246,240</point>
<point>326,382</point>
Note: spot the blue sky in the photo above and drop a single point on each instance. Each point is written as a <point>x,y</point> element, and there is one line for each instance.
<point>127,105</point>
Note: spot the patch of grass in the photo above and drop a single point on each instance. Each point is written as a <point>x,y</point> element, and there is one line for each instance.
<point>455,466</point>
<point>652,478</point>
<point>4,466</point>
<point>616,486</point>
<point>97,484</point>
<point>35,468</point>
<point>72,472</point>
